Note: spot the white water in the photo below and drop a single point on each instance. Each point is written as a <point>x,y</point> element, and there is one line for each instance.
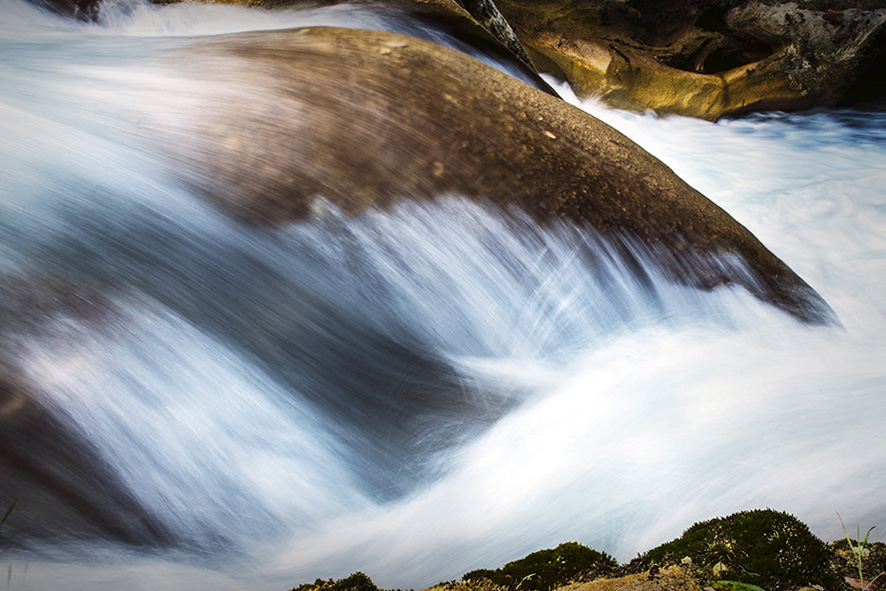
<point>637,407</point>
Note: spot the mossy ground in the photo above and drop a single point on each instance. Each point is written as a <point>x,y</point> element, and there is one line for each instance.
<point>356,582</point>
<point>547,569</point>
<point>766,548</point>
<point>873,561</point>
<point>745,551</point>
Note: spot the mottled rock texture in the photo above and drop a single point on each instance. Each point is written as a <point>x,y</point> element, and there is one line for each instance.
<point>366,119</point>
<point>708,58</point>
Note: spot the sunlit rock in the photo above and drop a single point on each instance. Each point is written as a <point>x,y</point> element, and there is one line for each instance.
<point>366,119</point>
<point>708,58</point>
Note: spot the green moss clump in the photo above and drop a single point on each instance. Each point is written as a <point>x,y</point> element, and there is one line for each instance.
<point>543,570</point>
<point>771,549</point>
<point>356,582</point>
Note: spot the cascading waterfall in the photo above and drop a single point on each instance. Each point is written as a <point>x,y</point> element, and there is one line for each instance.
<point>412,393</point>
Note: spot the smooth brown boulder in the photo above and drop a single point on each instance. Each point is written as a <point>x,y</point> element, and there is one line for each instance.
<point>280,120</point>
<point>708,58</point>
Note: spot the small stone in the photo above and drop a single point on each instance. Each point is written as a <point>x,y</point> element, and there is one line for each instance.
<point>319,207</point>
<point>550,135</point>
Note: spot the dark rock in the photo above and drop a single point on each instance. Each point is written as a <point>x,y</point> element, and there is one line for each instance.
<point>52,469</point>
<point>79,9</point>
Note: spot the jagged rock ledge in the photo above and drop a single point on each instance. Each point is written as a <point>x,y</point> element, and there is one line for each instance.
<point>709,58</point>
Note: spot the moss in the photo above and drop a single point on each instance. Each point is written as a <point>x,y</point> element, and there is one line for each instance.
<point>481,584</point>
<point>543,570</point>
<point>356,582</point>
<point>767,548</point>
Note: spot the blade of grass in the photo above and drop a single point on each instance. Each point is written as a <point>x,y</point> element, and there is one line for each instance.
<point>8,511</point>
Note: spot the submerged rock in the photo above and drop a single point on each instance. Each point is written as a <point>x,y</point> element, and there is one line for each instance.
<point>50,467</point>
<point>365,119</point>
<point>709,58</point>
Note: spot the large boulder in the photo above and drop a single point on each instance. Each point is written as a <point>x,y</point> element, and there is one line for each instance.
<point>709,58</point>
<point>366,119</point>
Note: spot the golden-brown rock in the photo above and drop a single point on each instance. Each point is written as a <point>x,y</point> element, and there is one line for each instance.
<point>708,58</point>
<point>365,119</point>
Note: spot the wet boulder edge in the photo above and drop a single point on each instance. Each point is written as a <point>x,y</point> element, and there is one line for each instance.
<point>365,119</point>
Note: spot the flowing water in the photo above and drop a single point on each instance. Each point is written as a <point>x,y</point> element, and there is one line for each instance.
<point>414,393</point>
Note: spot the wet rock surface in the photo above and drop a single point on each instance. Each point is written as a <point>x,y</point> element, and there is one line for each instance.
<point>708,58</point>
<point>367,119</point>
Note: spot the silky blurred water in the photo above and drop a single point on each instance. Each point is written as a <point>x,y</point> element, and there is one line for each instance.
<point>416,393</point>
